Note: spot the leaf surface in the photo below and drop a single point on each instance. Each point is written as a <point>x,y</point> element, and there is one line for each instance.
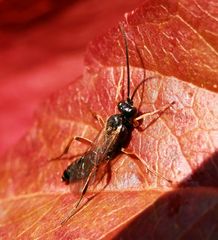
<point>175,43</point>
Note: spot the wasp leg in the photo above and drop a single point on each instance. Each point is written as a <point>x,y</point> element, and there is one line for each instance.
<point>95,115</point>
<point>159,112</point>
<point>66,149</point>
<point>141,164</point>
<point>100,119</point>
<point>84,190</point>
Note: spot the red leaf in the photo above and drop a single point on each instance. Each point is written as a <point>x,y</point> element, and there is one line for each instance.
<point>42,48</point>
<point>176,41</point>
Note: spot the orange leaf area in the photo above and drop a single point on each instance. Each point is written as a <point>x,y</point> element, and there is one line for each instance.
<point>45,210</point>
<point>174,43</point>
<point>114,215</point>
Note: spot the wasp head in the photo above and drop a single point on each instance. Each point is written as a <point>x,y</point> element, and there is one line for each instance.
<point>127,109</point>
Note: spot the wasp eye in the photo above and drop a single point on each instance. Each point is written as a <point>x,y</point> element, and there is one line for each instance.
<point>120,106</point>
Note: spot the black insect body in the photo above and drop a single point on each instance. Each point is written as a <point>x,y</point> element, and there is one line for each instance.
<point>108,144</point>
<point>111,140</point>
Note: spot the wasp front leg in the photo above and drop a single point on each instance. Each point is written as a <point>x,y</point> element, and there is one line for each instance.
<point>144,115</point>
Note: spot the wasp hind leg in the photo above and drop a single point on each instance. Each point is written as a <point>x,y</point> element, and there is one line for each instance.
<point>142,165</point>
<point>83,192</point>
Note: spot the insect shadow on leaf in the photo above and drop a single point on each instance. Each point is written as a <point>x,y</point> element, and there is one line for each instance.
<point>114,136</point>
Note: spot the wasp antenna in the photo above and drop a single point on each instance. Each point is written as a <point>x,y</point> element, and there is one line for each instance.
<point>127,59</point>
<point>137,87</point>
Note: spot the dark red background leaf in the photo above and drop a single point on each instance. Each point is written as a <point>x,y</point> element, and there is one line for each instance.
<point>42,46</point>
<point>177,45</point>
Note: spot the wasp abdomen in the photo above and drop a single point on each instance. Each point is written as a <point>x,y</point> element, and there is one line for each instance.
<point>79,169</point>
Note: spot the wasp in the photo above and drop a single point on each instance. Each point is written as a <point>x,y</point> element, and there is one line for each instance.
<point>110,142</point>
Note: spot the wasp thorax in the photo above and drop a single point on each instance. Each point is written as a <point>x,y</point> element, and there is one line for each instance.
<point>113,122</point>
<point>127,108</point>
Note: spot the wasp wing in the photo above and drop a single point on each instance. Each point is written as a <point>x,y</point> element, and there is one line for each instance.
<point>94,164</point>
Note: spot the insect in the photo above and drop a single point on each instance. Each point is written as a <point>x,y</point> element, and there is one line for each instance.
<point>110,142</point>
